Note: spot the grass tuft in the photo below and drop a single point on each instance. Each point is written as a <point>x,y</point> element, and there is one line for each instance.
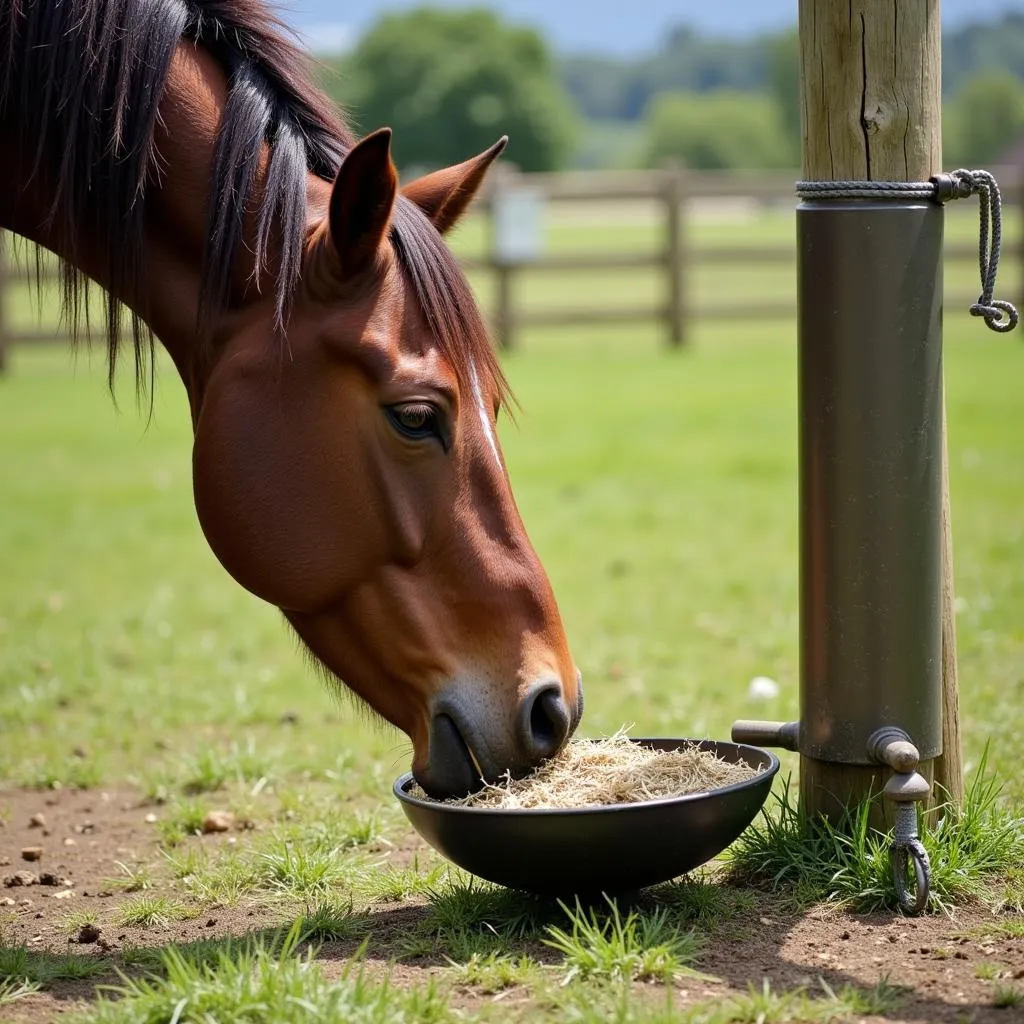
<point>636,947</point>
<point>1006,996</point>
<point>331,922</point>
<point>262,981</point>
<point>18,964</point>
<point>151,911</point>
<point>13,989</point>
<point>131,879</point>
<point>494,972</point>
<point>971,849</point>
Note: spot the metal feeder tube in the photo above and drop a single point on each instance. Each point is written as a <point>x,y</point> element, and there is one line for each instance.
<point>870,393</point>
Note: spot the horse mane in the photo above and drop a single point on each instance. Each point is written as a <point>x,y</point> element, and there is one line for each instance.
<point>84,79</point>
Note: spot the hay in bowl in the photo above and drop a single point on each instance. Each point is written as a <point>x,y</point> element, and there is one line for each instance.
<point>601,773</point>
<point>603,847</point>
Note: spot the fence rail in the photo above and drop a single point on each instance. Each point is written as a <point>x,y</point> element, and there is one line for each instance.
<point>674,194</point>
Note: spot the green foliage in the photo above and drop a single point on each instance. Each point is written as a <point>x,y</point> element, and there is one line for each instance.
<point>983,120</point>
<point>784,84</point>
<point>996,45</point>
<point>717,131</point>
<point>452,82</point>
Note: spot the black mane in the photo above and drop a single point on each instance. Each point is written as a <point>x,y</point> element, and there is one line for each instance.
<point>83,80</point>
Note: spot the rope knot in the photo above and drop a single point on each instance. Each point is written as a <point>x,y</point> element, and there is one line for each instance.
<point>1000,316</point>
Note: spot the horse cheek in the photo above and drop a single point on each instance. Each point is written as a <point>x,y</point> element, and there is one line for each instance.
<point>274,503</point>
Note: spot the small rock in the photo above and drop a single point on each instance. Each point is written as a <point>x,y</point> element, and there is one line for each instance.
<point>762,688</point>
<point>150,818</point>
<point>960,955</point>
<point>25,904</point>
<point>38,820</point>
<point>85,828</point>
<point>4,861</point>
<point>21,878</point>
<point>39,914</point>
<point>845,935</point>
<point>68,841</point>
<point>49,878</point>
<point>891,937</point>
<point>211,922</point>
<point>64,894</point>
<point>218,821</point>
<point>89,933</point>
<point>32,853</point>
<point>6,901</point>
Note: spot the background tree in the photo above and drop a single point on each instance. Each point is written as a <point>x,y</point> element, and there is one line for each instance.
<point>783,62</point>
<point>984,120</point>
<point>716,131</point>
<point>451,82</point>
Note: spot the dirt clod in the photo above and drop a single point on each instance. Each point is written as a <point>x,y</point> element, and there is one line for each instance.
<point>38,820</point>
<point>89,933</point>
<point>32,853</point>
<point>21,878</point>
<point>49,878</point>
<point>218,821</point>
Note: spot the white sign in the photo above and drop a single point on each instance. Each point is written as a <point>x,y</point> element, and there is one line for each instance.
<point>518,224</point>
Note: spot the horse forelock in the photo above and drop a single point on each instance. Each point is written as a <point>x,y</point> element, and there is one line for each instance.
<point>84,80</point>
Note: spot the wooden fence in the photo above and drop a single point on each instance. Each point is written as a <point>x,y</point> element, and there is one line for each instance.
<point>676,256</point>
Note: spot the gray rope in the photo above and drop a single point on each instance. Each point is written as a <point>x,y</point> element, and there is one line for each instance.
<point>1000,315</point>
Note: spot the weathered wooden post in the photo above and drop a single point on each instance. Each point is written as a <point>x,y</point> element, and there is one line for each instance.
<point>878,652</point>
<point>675,250</point>
<point>871,83</point>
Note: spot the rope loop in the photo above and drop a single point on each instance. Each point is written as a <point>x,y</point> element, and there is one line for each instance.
<point>998,314</point>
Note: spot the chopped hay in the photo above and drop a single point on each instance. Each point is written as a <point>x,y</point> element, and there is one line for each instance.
<point>597,773</point>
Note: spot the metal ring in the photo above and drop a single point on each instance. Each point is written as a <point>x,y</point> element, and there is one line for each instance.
<point>901,852</point>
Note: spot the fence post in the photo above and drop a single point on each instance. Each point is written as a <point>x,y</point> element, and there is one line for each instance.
<point>4,331</point>
<point>675,266</point>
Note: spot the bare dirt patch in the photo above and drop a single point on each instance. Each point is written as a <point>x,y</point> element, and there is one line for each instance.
<point>950,966</point>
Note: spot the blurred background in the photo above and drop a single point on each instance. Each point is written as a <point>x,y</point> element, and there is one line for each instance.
<point>606,84</point>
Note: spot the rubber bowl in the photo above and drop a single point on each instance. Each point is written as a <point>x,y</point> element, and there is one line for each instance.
<point>590,850</point>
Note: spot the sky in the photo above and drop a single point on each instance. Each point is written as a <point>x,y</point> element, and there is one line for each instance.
<point>619,27</point>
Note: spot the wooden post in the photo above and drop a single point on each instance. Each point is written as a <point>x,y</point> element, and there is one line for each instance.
<point>871,101</point>
<point>504,316</point>
<point>674,257</point>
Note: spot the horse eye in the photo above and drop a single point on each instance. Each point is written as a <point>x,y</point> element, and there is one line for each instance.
<point>416,420</point>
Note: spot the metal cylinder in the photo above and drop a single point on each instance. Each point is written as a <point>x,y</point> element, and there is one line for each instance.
<point>870,401</point>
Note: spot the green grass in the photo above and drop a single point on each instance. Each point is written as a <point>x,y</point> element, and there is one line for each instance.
<point>150,911</point>
<point>606,944</point>
<point>971,849</point>
<point>21,966</point>
<point>261,983</point>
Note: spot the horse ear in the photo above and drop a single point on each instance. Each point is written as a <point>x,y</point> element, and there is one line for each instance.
<point>362,199</point>
<point>444,195</point>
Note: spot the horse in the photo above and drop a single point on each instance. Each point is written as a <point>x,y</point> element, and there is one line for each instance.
<point>343,390</point>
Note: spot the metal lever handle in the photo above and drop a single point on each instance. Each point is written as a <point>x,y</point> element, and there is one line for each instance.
<point>767,734</point>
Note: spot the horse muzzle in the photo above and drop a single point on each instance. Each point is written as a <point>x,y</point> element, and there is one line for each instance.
<point>471,742</point>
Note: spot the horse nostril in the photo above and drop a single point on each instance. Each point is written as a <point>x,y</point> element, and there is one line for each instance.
<point>544,722</point>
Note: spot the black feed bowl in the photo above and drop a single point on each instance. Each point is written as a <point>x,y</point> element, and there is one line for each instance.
<point>590,850</point>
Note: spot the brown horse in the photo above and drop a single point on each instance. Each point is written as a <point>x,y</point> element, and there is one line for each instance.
<point>344,394</point>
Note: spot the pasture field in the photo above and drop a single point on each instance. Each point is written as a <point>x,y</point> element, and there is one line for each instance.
<point>141,688</point>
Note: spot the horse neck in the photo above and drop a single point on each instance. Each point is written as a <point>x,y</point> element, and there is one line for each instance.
<point>177,202</point>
